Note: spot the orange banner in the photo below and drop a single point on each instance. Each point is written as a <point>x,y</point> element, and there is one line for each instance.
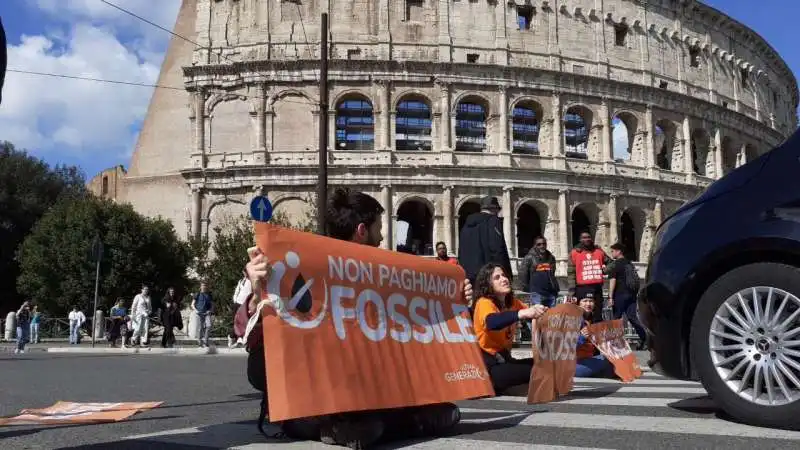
<point>555,342</point>
<point>384,329</point>
<point>609,338</point>
<point>78,413</point>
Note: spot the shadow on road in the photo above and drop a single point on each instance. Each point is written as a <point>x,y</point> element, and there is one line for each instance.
<point>33,429</point>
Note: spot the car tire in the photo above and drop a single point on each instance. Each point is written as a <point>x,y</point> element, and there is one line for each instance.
<point>776,275</point>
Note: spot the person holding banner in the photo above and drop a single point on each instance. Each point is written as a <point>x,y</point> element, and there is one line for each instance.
<point>356,217</point>
<point>590,362</point>
<point>496,315</point>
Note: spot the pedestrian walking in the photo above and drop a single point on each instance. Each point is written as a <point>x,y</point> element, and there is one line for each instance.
<point>36,316</point>
<point>623,287</point>
<point>23,326</point>
<point>537,274</point>
<point>170,319</point>
<point>76,321</point>
<point>140,316</point>
<point>481,241</point>
<point>203,306</point>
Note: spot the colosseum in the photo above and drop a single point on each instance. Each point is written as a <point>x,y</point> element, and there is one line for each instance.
<point>577,114</point>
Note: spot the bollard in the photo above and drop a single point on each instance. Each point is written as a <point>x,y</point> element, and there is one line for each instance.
<point>99,325</point>
<point>11,327</point>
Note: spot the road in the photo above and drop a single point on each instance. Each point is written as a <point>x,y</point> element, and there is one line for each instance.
<point>208,404</point>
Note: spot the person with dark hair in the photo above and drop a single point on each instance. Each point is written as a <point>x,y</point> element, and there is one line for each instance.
<point>355,217</point>
<point>441,254</point>
<point>623,287</point>
<point>481,240</point>
<point>586,272</point>
<point>590,363</point>
<point>537,274</point>
<point>495,319</point>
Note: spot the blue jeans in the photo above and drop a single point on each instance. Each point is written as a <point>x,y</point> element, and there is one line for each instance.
<point>596,366</point>
<point>543,299</point>
<point>34,332</point>
<point>74,331</point>
<point>22,336</point>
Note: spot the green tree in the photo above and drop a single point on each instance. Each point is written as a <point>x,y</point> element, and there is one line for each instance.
<point>55,259</point>
<point>28,188</point>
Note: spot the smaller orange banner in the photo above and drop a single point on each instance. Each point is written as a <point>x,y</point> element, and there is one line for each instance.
<point>609,338</point>
<point>554,345</point>
<point>78,413</point>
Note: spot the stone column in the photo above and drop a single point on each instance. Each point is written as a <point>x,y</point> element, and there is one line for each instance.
<point>261,128</point>
<point>269,129</point>
<point>741,158</point>
<point>650,143</point>
<point>502,104</point>
<point>717,145</point>
<point>613,222</point>
<point>688,158</point>
<point>658,215</point>
<point>384,128</point>
<point>447,214</point>
<point>557,148</point>
<point>197,207</point>
<point>445,54</point>
<point>387,229</point>
<point>508,220</point>
<point>444,124</point>
<point>332,129</point>
<point>563,221</point>
<point>605,129</point>
<point>200,125</point>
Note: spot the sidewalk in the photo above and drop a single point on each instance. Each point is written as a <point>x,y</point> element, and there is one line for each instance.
<point>101,347</point>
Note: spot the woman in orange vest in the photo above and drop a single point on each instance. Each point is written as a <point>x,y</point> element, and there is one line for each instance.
<point>495,319</point>
<point>590,362</point>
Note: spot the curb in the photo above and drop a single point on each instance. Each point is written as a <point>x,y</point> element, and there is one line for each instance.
<point>219,351</point>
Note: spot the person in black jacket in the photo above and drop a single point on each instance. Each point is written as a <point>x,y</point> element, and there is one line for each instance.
<point>537,274</point>
<point>481,241</point>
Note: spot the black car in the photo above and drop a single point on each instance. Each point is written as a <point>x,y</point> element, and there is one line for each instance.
<point>721,302</point>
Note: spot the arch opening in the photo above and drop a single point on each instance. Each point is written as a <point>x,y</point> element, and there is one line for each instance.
<point>419,239</point>
<point>355,124</point>
<point>580,223</point>
<point>623,132</point>
<point>529,227</point>
<point>471,115</point>
<point>700,146</point>
<point>664,143</point>
<point>577,123</point>
<point>466,210</point>
<point>631,226</point>
<point>525,128</point>
<point>413,124</point>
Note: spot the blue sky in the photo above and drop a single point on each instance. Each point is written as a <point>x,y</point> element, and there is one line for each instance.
<point>94,125</point>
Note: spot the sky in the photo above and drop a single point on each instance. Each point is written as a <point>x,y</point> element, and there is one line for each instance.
<point>94,125</point>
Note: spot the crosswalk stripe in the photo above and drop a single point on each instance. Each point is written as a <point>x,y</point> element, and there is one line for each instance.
<point>626,389</point>
<point>673,425</point>
<point>653,402</point>
<point>462,444</point>
<point>640,381</point>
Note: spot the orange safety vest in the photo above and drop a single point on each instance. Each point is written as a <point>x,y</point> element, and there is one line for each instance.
<point>588,266</point>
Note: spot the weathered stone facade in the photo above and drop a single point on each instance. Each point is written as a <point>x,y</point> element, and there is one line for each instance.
<point>108,183</point>
<point>515,98</point>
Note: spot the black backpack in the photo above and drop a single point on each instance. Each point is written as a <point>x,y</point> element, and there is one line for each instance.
<point>632,280</point>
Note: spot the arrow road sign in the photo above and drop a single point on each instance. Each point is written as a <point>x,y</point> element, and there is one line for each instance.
<point>261,209</point>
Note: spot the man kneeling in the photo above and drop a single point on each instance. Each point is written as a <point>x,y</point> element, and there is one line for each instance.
<point>355,217</point>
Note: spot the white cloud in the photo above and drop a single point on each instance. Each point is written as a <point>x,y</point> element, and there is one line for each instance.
<point>57,116</point>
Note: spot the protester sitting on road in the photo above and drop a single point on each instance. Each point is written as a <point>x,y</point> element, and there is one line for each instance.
<point>495,319</point>
<point>356,217</point>
<point>590,362</point>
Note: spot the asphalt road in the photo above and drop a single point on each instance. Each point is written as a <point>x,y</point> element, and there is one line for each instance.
<point>208,404</point>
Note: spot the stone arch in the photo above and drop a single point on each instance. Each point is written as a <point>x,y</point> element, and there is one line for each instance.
<point>531,220</point>
<point>632,223</point>
<point>471,117</point>
<point>729,155</point>
<point>413,121</point>
<point>219,214</point>
<point>229,126</point>
<point>526,115</point>
<point>355,121</point>
<point>584,217</point>
<point>294,208</point>
<point>471,96</point>
<point>700,142</point>
<point>465,208</point>
<point>627,142</point>
<point>667,144</point>
<point>750,153</point>
<point>577,123</point>
<point>291,113</point>
<point>215,99</point>
<point>412,92</point>
<point>292,92</point>
<point>418,212</point>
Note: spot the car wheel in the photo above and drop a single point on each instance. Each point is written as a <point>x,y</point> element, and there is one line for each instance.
<point>745,343</point>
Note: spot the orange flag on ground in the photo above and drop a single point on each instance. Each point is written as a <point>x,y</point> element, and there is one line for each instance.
<point>78,413</point>
<point>554,345</point>
<point>383,329</point>
<point>609,338</point>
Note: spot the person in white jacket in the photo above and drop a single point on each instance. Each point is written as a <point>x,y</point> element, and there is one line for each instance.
<point>76,320</point>
<point>140,316</point>
<point>240,295</point>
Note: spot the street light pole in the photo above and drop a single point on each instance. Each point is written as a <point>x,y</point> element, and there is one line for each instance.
<point>322,177</point>
<point>97,252</point>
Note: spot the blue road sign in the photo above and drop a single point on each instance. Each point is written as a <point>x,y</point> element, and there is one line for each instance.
<point>261,209</point>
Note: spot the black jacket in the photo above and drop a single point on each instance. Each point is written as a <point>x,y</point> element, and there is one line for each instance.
<point>480,242</point>
<point>537,273</point>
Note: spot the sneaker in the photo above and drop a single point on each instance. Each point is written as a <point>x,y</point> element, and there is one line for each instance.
<point>230,342</point>
<point>357,431</point>
<point>437,419</point>
<point>16,351</point>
